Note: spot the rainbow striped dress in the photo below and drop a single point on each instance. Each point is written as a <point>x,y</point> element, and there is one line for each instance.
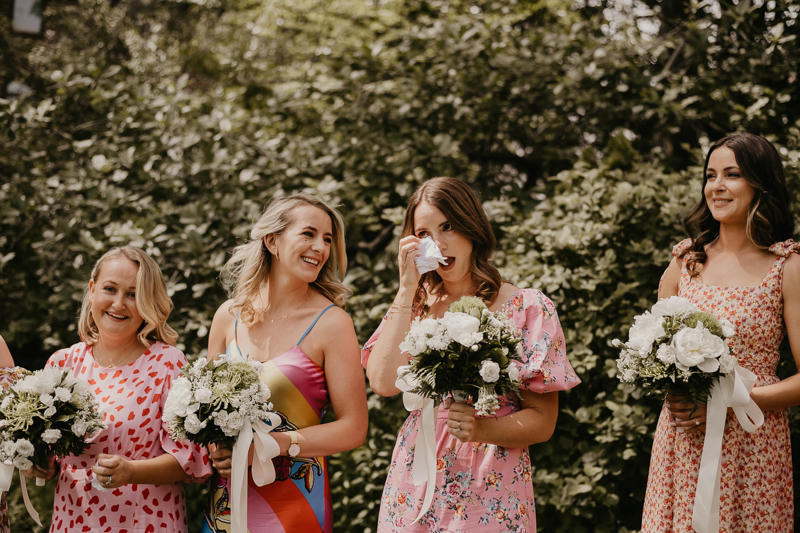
<point>299,501</point>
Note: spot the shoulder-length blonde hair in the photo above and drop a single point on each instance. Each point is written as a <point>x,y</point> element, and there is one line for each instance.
<point>249,265</point>
<point>459,203</point>
<point>152,300</point>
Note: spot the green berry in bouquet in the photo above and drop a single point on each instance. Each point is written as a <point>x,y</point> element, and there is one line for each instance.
<point>44,414</point>
<point>469,349</point>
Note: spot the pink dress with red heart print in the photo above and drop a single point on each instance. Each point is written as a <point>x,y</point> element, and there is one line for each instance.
<point>132,399</point>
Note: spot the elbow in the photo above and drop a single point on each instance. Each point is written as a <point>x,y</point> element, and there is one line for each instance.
<point>381,386</point>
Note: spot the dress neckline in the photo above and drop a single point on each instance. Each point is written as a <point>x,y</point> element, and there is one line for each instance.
<point>763,280</point>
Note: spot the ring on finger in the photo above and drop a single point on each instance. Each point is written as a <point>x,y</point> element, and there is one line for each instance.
<point>458,427</point>
<point>696,421</point>
<point>108,481</point>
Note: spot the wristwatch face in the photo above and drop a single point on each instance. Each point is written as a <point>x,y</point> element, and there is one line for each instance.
<point>294,449</point>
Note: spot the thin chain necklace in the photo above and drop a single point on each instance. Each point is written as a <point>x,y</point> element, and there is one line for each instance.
<point>117,363</point>
<point>273,320</point>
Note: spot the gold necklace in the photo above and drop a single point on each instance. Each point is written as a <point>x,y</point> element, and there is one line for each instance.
<point>273,320</point>
<point>114,364</point>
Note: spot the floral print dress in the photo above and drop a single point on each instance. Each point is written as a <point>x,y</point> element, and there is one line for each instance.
<point>479,487</point>
<point>756,494</point>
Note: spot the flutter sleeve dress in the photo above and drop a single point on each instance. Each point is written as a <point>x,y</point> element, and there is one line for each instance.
<point>756,494</point>
<point>132,398</point>
<point>480,488</point>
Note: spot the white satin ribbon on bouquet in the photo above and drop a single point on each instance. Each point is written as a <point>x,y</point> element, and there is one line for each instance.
<point>731,390</point>
<point>266,448</point>
<point>6,476</point>
<point>424,467</point>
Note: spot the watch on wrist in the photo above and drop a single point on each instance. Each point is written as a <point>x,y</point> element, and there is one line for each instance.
<point>294,447</point>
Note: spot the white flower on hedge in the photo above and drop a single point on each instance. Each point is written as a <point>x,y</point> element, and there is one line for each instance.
<point>24,448</point>
<point>490,371</point>
<point>727,328</point>
<point>462,327</point>
<point>673,306</point>
<point>513,372</point>
<point>51,435</point>
<point>666,354</point>
<point>697,347</point>
<point>645,331</point>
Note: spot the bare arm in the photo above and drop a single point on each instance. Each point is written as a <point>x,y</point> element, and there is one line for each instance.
<point>6,361</point>
<point>161,470</point>
<point>386,356</point>
<point>345,379</point>
<point>669,281</point>
<point>533,423</point>
<point>217,336</point>
<point>786,393</point>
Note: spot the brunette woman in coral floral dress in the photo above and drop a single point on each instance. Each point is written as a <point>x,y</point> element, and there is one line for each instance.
<point>483,469</point>
<point>739,264</point>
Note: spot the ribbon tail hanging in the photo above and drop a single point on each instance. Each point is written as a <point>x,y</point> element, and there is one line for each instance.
<point>266,449</point>
<point>239,479</point>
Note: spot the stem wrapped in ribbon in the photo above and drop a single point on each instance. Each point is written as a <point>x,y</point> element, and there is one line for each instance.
<point>424,467</point>
<point>266,448</point>
<point>731,390</point>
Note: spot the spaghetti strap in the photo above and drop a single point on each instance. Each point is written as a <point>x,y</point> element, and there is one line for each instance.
<point>314,324</point>
<point>235,333</point>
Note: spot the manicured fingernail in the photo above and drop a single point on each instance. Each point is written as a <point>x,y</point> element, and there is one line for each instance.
<point>672,424</point>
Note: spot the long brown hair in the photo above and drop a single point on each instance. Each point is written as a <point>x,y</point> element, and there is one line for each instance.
<point>152,300</point>
<point>769,219</point>
<point>249,265</point>
<point>463,210</point>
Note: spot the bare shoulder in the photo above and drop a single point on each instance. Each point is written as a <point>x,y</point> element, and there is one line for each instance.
<point>506,292</point>
<point>670,280</point>
<point>224,315</point>
<point>335,320</point>
<point>791,278</point>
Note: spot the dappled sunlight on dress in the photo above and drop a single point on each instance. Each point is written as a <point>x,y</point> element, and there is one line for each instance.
<point>299,501</point>
<point>756,494</point>
<point>480,488</point>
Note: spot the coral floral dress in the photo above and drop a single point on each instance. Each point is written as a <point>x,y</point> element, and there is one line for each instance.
<point>756,481</point>
<point>480,488</point>
<point>132,398</point>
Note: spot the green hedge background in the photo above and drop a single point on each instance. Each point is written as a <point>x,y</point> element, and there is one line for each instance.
<point>169,124</point>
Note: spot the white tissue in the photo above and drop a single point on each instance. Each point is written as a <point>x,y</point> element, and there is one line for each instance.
<point>99,486</point>
<point>429,256</point>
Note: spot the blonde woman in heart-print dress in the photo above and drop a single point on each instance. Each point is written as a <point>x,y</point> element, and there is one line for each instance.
<point>739,264</point>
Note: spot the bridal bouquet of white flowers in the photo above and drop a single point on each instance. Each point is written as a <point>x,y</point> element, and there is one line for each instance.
<point>676,348</point>
<point>469,349</point>
<point>211,400</point>
<point>44,414</point>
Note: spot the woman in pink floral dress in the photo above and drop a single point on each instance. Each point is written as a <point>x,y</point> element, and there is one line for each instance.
<point>739,264</point>
<point>483,469</point>
<point>9,374</point>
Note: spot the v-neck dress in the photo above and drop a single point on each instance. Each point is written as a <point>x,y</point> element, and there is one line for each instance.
<point>299,501</point>
<point>480,488</point>
<point>756,494</point>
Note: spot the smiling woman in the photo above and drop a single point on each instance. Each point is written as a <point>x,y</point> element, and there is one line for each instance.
<point>287,311</point>
<point>739,264</point>
<point>127,361</point>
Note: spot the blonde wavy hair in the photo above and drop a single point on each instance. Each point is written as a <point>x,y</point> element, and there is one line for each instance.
<point>152,300</point>
<point>248,267</point>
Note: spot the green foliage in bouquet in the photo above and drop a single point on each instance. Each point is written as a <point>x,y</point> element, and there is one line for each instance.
<point>211,400</point>
<point>469,349</point>
<point>46,413</point>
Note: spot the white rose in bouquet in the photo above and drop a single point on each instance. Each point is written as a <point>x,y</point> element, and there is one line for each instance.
<point>698,347</point>
<point>513,372</point>
<point>462,328</point>
<point>490,371</point>
<point>727,328</point>
<point>645,331</point>
<point>666,354</point>
<point>673,306</point>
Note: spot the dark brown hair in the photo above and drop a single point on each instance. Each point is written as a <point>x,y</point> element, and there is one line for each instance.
<point>463,210</point>
<point>769,219</point>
